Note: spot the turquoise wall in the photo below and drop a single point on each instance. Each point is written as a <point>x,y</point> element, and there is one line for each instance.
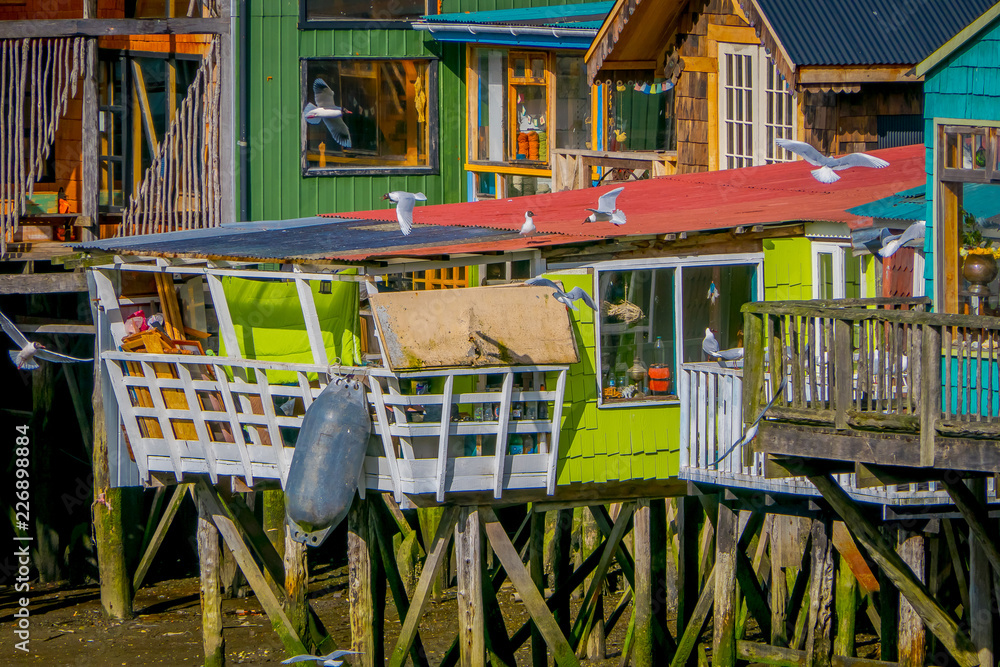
<point>965,86</point>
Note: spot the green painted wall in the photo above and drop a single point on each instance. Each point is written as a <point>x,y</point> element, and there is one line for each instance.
<point>787,269</point>
<point>609,444</point>
<point>966,86</point>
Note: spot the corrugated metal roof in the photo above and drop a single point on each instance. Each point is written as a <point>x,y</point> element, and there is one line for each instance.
<point>778,193</point>
<point>980,199</point>
<point>581,15</point>
<point>866,32</point>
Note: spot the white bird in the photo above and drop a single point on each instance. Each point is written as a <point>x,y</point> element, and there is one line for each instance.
<point>751,432</point>
<point>404,202</point>
<point>709,345</point>
<point>732,354</point>
<point>606,211</point>
<point>25,357</point>
<point>828,165</point>
<point>912,236</point>
<point>562,297</point>
<point>328,660</point>
<point>327,112</point>
<point>528,228</point>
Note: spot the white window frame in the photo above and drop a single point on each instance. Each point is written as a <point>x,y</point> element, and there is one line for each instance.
<point>840,253</point>
<point>756,259</point>
<point>760,64</point>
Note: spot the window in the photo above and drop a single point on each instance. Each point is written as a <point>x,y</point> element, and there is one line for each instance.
<point>837,273</point>
<point>573,123</point>
<point>640,118</point>
<point>755,108</point>
<point>654,317</point>
<point>446,278</point>
<point>360,115</point>
<point>366,14</point>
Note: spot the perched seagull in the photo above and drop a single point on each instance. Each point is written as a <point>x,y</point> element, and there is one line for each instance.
<point>328,660</point>
<point>709,345</point>
<point>751,432</point>
<point>913,236</point>
<point>528,228</point>
<point>606,211</point>
<point>566,298</point>
<point>25,357</point>
<point>327,112</point>
<point>828,165</point>
<point>404,202</point>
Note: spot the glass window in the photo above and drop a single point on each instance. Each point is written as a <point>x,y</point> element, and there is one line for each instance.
<point>491,67</point>
<point>518,186</point>
<point>640,119</point>
<point>572,103</point>
<point>640,323</point>
<point>365,10</point>
<point>371,113</point>
<point>529,101</point>
<point>159,9</point>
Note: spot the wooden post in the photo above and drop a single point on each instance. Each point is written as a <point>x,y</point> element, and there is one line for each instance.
<point>912,637</point>
<point>980,598</point>
<point>209,557</point>
<point>428,519</point>
<point>724,631</point>
<point>468,555</point>
<point>687,516</point>
<point>846,605</point>
<point>295,584</point>
<point>819,645</point>
<point>642,647</point>
<point>595,648</point>
<point>658,577</point>
<point>536,559</point>
<point>561,570</point>
<point>366,605</point>
<point>273,518</point>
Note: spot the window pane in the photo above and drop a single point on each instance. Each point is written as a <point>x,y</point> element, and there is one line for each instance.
<point>572,103</point>
<point>638,315</point>
<point>824,280</point>
<point>492,71</point>
<point>366,113</point>
<point>530,111</point>
<point>640,120</point>
<point>518,186</point>
<point>734,286</point>
<point>378,10</point>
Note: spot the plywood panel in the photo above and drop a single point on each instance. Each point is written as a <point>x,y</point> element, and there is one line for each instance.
<point>479,326</point>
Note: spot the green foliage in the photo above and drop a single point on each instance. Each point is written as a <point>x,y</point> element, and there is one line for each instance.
<point>972,233</point>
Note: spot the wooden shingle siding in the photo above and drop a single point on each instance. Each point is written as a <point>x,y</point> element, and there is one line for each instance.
<point>787,269</point>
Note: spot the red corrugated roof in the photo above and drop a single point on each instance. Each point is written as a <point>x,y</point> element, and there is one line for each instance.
<point>777,193</point>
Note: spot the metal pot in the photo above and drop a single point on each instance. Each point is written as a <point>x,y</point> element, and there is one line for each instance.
<point>979,270</point>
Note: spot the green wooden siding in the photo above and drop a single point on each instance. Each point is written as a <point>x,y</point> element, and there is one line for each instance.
<point>787,269</point>
<point>965,86</point>
<point>609,444</point>
<point>451,6</point>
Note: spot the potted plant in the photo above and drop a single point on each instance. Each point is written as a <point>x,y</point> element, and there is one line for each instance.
<point>980,258</point>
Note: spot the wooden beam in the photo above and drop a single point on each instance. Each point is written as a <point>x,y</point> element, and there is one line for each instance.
<point>533,601</point>
<point>695,625</point>
<point>112,27</point>
<point>43,283</point>
<point>161,532</point>
<point>977,517</point>
<point>436,551</point>
<point>935,617</point>
<point>628,64</point>
<point>787,657</point>
<point>811,76</point>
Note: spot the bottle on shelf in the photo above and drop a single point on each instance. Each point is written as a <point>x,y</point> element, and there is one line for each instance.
<point>659,370</point>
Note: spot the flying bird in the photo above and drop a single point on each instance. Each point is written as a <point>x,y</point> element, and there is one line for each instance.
<point>871,239</point>
<point>404,202</point>
<point>913,236</point>
<point>29,352</point>
<point>328,660</point>
<point>566,298</point>
<point>829,165</point>
<point>606,211</point>
<point>751,432</point>
<point>327,112</point>
<point>528,228</point>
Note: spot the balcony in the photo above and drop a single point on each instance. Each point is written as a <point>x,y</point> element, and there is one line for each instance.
<point>572,167</point>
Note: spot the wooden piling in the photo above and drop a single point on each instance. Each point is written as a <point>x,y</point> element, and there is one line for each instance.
<point>367,595</point>
<point>536,560</point>
<point>468,554</point>
<point>912,636</point>
<point>687,517</point>
<point>595,648</point>
<point>209,557</point>
<point>295,584</point>
<point>980,614</point>
<point>846,605</point>
<point>273,515</point>
<point>819,643</point>
<point>561,569</point>
<point>726,602</point>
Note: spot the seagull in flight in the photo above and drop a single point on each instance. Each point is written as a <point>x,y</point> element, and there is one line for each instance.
<point>528,228</point>
<point>327,112</point>
<point>751,432</point>
<point>606,211</point>
<point>25,358</point>
<point>829,165</point>
<point>328,660</point>
<point>562,297</point>
<point>913,236</point>
<point>404,202</point>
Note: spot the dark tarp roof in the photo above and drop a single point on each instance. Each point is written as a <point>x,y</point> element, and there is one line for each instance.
<point>867,32</point>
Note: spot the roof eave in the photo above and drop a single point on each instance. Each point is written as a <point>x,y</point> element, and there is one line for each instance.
<point>567,38</point>
<point>955,43</point>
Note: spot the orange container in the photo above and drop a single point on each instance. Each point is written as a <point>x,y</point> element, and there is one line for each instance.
<point>660,380</point>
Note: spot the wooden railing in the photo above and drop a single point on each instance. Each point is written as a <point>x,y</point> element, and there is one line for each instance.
<point>572,167</point>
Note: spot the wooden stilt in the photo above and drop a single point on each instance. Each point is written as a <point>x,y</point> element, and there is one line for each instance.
<point>779,583</point>
<point>695,625</point>
<point>536,560</point>
<point>888,601</point>
<point>687,519</point>
<point>296,582</point>
<point>169,512</point>
<point>912,638</point>
<point>436,549</point>
<point>980,596</point>
<point>819,640</point>
<point>497,642</point>
<point>366,608</point>
<point>846,606</point>
<point>643,646</point>
<point>937,619</point>
<point>468,552</point>
<point>209,555</point>
<point>273,514</point>
<point>724,633</point>
<point>956,562</point>
<point>561,570</point>
<point>533,601</point>
<point>595,646</point>
<point>663,644</point>
<point>428,519</point>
